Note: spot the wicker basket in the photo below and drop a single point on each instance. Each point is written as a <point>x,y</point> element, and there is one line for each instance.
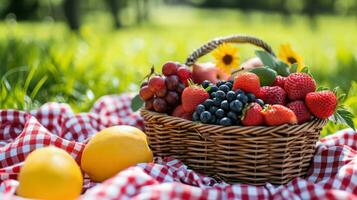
<point>245,154</point>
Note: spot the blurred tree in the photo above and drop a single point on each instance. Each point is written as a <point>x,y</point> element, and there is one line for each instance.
<point>115,10</point>
<point>142,10</point>
<point>23,9</point>
<point>72,13</point>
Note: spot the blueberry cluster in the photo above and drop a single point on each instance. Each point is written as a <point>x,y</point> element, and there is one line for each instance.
<point>225,106</point>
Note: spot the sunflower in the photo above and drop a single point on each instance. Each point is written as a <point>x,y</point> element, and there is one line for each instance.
<point>226,57</point>
<point>288,55</point>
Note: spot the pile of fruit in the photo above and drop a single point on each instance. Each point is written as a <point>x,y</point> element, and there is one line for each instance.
<point>268,95</point>
<point>52,173</point>
<point>162,93</point>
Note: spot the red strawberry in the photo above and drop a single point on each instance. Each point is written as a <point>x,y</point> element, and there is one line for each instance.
<point>300,110</point>
<point>184,73</point>
<point>322,104</point>
<point>297,86</point>
<point>279,81</point>
<point>192,96</point>
<point>187,116</point>
<point>272,95</point>
<point>248,82</point>
<point>178,112</point>
<point>252,115</point>
<point>277,115</point>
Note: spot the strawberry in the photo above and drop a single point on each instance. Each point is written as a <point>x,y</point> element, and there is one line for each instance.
<point>179,112</point>
<point>297,85</point>
<point>322,104</point>
<point>252,115</point>
<point>248,82</point>
<point>279,81</point>
<point>187,116</point>
<point>277,115</point>
<point>192,96</point>
<point>272,95</point>
<point>300,110</point>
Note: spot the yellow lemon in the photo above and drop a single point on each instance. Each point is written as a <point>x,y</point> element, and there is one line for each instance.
<point>114,149</point>
<point>50,173</point>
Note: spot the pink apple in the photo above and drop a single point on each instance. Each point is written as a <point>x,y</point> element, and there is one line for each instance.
<point>207,71</point>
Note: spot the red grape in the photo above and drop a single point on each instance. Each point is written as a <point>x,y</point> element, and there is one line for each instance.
<point>184,73</point>
<point>172,82</point>
<point>169,68</point>
<point>149,104</point>
<point>160,105</point>
<point>156,83</point>
<point>145,93</point>
<point>172,98</point>
<point>161,93</point>
<point>180,88</point>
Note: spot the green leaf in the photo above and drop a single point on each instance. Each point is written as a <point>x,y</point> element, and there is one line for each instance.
<point>305,70</point>
<point>136,103</point>
<point>343,116</point>
<point>341,97</point>
<point>282,68</point>
<point>321,88</point>
<point>266,75</point>
<point>266,58</point>
<point>293,68</point>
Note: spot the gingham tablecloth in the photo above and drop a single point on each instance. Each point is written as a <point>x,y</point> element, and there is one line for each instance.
<point>332,175</point>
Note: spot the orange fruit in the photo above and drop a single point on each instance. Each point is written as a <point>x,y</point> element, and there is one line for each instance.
<point>50,173</point>
<point>114,149</point>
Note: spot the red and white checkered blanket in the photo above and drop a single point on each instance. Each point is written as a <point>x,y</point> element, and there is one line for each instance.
<point>332,175</point>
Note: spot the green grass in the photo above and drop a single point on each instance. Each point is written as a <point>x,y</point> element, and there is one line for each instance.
<point>44,61</point>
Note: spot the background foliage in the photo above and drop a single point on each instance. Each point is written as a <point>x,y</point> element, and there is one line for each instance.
<point>43,60</point>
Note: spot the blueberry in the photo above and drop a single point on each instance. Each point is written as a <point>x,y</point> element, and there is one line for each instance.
<point>219,83</point>
<point>239,91</point>
<point>260,102</point>
<point>220,113</point>
<point>243,98</point>
<point>213,110</point>
<point>225,105</point>
<point>232,115</point>
<point>206,83</point>
<point>230,81</point>
<point>205,116</point>
<point>236,106</point>
<point>212,95</point>
<point>200,108</point>
<point>229,84</point>
<point>225,121</point>
<point>195,116</point>
<point>251,97</point>
<point>220,94</point>
<point>217,101</point>
<point>224,88</point>
<point>213,119</point>
<point>208,103</point>
<point>230,96</point>
<point>213,89</point>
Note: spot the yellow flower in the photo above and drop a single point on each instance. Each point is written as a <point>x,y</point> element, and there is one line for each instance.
<point>226,57</point>
<point>289,56</point>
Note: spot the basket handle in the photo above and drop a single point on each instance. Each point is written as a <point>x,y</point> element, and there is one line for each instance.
<point>213,44</point>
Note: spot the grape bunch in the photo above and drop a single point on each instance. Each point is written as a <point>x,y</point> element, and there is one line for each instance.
<point>162,93</point>
<point>224,106</point>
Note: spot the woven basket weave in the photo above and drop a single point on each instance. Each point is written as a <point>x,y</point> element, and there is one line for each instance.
<point>245,154</point>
